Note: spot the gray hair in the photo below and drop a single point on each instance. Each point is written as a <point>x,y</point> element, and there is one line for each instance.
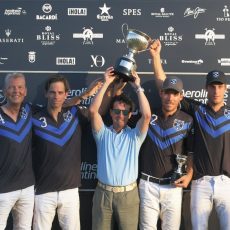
<point>10,76</point>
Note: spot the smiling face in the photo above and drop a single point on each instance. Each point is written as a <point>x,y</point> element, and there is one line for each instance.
<point>56,95</point>
<point>15,90</point>
<point>119,119</point>
<point>170,100</point>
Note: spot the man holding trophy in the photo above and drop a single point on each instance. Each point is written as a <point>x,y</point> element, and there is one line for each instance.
<point>211,181</point>
<point>164,152</point>
<point>162,161</point>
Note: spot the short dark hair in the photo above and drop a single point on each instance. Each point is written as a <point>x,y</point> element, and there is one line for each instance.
<point>122,98</point>
<point>57,78</point>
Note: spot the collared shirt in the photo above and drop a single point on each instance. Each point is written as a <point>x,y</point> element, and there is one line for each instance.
<point>117,155</point>
<point>212,138</point>
<point>15,151</point>
<point>165,139</point>
<point>57,149</point>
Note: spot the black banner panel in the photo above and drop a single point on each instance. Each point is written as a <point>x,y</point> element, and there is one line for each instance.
<point>81,38</point>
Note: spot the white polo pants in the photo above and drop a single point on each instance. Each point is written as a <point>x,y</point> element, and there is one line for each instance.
<point>67,205</point>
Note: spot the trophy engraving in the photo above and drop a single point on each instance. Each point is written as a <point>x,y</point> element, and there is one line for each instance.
<point>181,160</point>
<point>137,42</point>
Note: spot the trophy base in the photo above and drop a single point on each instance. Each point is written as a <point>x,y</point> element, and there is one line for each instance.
<point>124,67</point>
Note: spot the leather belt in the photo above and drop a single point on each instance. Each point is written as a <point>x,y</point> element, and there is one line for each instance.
<point>117,189</point>
<point>160,181</point>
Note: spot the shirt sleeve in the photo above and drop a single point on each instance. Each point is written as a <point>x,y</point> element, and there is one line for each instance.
<point>98,135</point>
<point>188,105</point>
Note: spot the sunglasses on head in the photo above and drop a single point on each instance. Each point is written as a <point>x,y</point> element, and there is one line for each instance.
<point>118,111</point>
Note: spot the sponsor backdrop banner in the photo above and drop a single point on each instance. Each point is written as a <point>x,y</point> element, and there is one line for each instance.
<point>80,39</point>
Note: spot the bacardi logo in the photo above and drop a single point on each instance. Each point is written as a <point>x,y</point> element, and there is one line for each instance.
<point>225,15</point>
<point>47,8</point>
<point>10,38</point>
<point>65,60</point>
<point>171,38</point>
<point>194,12</point>
<point>104,16</point>
<point>77,11</point>
<point>88,36</point>
<point>15,12</point>
<point>209,36</point>
<point>162,14</point>
<point>48,37</point>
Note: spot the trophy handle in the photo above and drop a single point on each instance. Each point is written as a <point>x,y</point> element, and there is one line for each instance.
<point>150,43</point>
<point>122,29</point>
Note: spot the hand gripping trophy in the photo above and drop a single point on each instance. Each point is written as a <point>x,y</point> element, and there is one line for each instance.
<point>137,42</point>
<point>181,160</point>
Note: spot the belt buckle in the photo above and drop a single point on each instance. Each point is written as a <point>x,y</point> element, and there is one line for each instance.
<point>117,189</point>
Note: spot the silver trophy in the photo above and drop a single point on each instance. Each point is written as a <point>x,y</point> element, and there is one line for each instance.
<point>179,172</point>
<point>137,42</point>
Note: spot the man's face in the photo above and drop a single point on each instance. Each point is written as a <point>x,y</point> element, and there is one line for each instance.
<point>120,118</point>
<point>170,100</point>
<point>15,90</point>
<point>56,95</point>
<point>216,93</point>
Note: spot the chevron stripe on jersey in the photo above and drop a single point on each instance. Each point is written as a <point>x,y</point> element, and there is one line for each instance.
<point>211,125</point>
<point>57,135</point>
<point>165,138</point>
<point>17,131</point>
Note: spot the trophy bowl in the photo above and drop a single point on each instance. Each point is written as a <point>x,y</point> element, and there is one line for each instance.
<point>137,41</point>
<point>181,161</point>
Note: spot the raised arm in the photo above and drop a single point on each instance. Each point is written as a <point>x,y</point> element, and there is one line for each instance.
<point>96,119</point>
<point>159,73</point>
<point>90,91</point>
<point>143,122</point>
